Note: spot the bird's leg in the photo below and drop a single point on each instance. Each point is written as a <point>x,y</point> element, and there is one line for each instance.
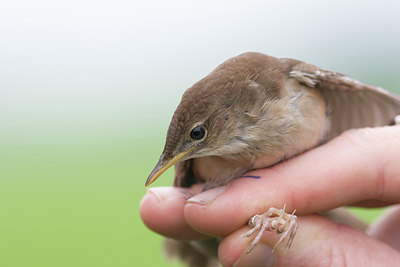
<point>397,120</point>
<point>274,219</point>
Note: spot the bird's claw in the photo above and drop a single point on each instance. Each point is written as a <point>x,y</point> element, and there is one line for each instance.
<point>274,219</point>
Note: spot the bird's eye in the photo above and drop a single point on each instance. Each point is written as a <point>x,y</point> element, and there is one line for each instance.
<point>198,132</point>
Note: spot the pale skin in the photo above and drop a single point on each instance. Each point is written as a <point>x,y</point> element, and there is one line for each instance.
<point>360,167</point>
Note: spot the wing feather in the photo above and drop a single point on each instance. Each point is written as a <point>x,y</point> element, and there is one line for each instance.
<point>351,103</point>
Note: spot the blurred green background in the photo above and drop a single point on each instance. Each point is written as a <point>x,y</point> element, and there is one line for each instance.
<point>87,89</point>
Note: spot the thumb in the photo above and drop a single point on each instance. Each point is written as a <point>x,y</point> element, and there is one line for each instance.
<point>318,242</point>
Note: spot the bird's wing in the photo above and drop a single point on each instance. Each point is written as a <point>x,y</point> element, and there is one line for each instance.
<point>351,103</point>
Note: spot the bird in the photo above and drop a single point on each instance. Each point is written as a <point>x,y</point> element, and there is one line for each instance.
<point>254,111</point>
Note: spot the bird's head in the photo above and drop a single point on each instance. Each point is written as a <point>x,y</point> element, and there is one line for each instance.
<point>213,114</point>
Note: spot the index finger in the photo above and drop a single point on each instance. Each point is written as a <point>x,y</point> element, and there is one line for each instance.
<point>357,166</point>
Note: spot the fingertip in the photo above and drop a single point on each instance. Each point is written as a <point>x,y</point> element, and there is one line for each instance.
<point>161,210</point>
<point>146,206</point>
<point>231,248</point>
<point>153,203</point>
<point>233,251</point>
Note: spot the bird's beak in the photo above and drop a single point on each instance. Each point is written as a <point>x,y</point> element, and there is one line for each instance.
<point>163,165</point>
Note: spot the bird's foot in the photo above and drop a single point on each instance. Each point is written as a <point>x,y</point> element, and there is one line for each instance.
<point>274,219</point>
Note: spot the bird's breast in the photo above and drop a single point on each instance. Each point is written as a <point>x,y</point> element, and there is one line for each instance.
<point>216,170</point>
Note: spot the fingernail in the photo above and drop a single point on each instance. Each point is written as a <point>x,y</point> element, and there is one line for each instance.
<point>261,255</point>
<point>163,193</point>
<point>207,196</point>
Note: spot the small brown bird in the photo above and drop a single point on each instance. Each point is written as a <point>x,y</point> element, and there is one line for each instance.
<point>254,111</point>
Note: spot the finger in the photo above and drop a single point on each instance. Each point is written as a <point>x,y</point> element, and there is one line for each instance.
<point>320,242</point>
<point>162,208</point>
<point>387,229</point>
<point>359,165</point>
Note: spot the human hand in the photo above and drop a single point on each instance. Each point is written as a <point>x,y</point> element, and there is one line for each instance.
<point>358,168</point>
